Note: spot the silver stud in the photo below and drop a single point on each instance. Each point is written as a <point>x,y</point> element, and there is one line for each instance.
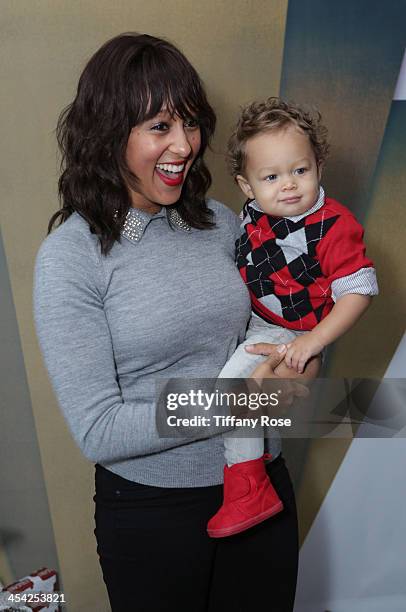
<point>177,220</point>
<point>135,223</point>
<point>133,226</point>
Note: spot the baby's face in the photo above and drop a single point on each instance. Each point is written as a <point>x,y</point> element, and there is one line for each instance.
<point>281,172</point>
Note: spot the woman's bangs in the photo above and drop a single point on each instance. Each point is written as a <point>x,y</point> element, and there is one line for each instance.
<point>170,92</point>
<point>165,80</point>
<point>182,98</point>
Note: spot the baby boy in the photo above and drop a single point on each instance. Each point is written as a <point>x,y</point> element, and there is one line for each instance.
<point>302,257</point>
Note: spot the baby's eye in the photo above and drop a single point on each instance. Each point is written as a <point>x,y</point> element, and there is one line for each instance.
<point>162,126</point>
<point>271,177</point>
<point>300,171</point>
<point>191,123</point>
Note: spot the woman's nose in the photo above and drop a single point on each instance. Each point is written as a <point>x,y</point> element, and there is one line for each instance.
<point>180,144</point>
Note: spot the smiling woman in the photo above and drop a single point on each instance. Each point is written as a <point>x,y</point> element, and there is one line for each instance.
<point>139,103</point>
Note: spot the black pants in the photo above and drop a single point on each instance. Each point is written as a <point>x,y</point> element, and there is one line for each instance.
<point>156,556</point>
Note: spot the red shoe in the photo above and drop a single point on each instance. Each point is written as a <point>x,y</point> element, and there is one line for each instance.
<point>249,499</point>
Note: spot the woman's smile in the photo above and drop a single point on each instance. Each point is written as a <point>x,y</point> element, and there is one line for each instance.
<point>171,173</point>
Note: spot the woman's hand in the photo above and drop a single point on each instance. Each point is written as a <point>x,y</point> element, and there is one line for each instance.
<point>267,368</point>
<point>275,368</point>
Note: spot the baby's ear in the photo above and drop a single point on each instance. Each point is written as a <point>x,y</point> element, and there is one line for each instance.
<point>319,171</point>
<point>245,186</point>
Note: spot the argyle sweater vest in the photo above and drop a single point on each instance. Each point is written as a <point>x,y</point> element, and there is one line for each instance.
<point>288,266</point>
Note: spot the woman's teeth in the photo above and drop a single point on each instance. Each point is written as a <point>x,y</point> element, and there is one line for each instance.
<point>171,167</point>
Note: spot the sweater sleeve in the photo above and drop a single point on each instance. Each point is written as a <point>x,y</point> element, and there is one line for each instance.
<point>76,345</point>
<point>342,250</point>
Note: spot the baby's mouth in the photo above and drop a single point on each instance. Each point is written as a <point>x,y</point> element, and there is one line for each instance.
<point>291,199</point>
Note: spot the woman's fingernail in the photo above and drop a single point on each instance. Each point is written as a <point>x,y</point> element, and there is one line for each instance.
<point>249,347</point>
<point>281,348</point>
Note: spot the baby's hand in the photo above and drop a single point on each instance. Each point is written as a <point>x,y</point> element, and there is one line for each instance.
<point>300,350</point>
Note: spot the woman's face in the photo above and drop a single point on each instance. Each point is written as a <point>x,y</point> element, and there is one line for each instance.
<point>160,152</point>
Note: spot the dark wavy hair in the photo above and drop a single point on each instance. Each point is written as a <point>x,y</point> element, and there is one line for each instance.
<point>126,82</point>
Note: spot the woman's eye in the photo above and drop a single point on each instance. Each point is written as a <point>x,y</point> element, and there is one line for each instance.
<point>191,123</point>
<point>271,177</point>
<point>300,170</point>
<point>162,126</point>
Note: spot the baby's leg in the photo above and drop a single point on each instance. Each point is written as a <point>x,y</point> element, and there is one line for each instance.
<point>241,364</point>
<point>249,497</point>
<point>240,445</point>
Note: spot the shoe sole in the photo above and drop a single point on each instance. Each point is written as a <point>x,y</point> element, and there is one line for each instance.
<point>228,531</point>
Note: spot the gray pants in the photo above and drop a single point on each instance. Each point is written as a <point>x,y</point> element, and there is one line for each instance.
<point>239,445</point>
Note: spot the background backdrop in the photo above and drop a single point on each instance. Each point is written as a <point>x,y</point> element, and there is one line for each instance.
<point>345,58</point>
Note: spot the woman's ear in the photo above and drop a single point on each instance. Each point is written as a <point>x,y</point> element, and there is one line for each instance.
<point>245,186</point>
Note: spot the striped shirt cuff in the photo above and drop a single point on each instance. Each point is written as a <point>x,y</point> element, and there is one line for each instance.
<point>362,282</point>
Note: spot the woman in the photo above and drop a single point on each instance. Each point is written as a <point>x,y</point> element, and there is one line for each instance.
<point>139,283</point>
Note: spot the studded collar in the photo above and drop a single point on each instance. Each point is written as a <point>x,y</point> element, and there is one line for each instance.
<point>137,221</point>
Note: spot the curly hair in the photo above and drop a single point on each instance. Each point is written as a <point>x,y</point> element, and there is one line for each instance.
<point>269,115</point>
<point>126,82</point>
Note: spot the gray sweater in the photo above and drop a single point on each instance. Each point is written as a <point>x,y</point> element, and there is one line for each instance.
<point>164,303</point>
